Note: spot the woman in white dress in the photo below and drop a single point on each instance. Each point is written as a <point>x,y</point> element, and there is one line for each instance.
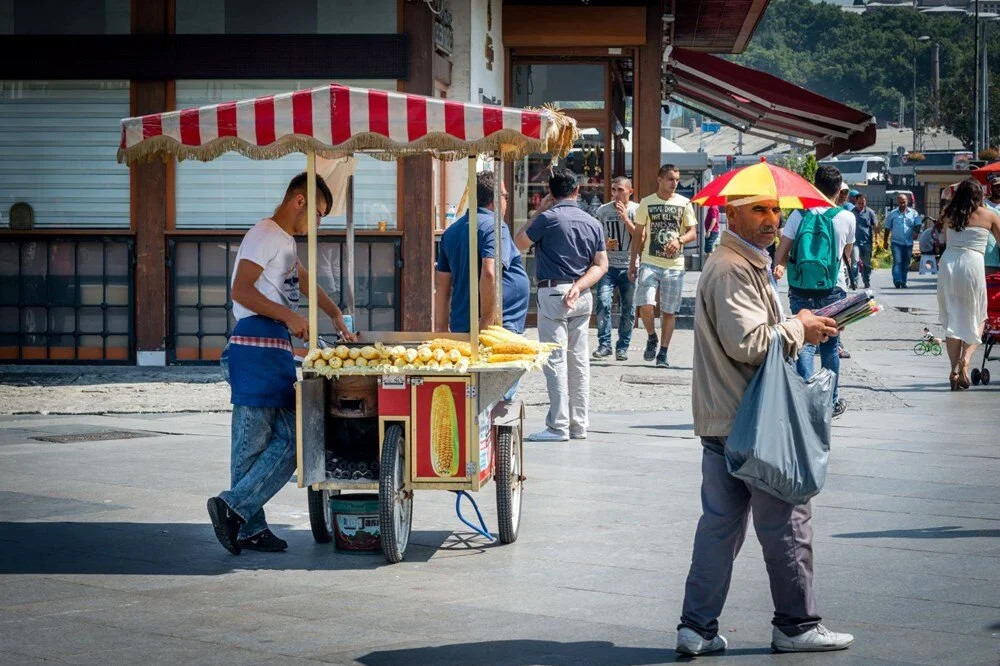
<point>961,287</point>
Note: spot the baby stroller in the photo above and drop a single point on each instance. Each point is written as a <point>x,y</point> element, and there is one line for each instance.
<point>991,330</point>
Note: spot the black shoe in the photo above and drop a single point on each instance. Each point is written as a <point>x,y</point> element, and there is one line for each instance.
<point>652,344</point>
<point>661,358</point>
<point>902,285</point>
<point>602,352</point>
<point>226,523</point>
<point>621,355</point>
<point>265,542</point>
<point>854,286</point>
<point>839,407</point>
<point>867,285</point>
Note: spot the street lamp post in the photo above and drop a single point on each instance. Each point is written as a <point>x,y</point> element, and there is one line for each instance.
<point>922,38</point>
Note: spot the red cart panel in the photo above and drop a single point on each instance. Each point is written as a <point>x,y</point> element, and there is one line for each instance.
<point>441,418</point>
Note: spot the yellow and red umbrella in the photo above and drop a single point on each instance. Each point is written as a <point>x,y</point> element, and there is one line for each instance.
<point>762,179</point>
<point>982,174</point>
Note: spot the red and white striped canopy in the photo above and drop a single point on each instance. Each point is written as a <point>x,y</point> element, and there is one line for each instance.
<point>335,120</point>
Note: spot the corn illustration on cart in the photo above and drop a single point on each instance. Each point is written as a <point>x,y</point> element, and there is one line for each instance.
<point>365,420</point>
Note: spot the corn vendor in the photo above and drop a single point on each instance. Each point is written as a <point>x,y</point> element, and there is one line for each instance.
<point>259,364</point>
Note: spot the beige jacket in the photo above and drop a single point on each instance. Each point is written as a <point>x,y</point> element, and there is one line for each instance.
<point>733,320</point>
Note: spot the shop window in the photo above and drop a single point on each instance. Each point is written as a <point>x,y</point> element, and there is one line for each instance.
<point>201,268</point>
<point>289,17</point>
<point>58,17</point>
<point>66,298</point>
<point>567,86</point>
<point>58,145</point>
<point>233,192</point>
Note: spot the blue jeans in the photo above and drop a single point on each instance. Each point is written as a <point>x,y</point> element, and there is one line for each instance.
<point>711,239</point>
<point>261,463</point>
<point>901,257</point>
<point>615,278</point>
<point>829,358</point>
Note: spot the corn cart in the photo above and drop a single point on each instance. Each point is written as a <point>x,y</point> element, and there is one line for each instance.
<point>365,420</point>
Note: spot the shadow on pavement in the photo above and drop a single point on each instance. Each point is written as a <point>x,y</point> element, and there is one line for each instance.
<point>944,532</point>
<point>665,426</point>
<point>546,653</point>
<point>185,549</point>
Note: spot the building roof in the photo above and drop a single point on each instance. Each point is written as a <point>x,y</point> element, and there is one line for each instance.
<point>724,142</point>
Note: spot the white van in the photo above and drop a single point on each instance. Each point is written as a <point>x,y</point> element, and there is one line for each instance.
<point>859,170</point>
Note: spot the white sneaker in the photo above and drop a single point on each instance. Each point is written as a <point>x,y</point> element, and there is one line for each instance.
<point>578,435</point>
<point>691,643</point>
<point>547,435</point>
<point>817,639</point>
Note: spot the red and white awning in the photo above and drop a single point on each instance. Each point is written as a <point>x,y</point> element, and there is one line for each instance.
<point>764,105</point>
<point>335,120</point>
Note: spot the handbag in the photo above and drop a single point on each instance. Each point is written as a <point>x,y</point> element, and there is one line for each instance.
<point>780,440</point>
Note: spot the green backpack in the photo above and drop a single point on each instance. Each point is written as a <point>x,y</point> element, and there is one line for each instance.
<point>813,263</point>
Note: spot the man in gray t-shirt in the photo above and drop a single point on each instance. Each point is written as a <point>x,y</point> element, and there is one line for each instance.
<point>617,217</point>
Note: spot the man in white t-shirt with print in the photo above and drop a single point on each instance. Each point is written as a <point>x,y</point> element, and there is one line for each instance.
<point>827,181</point>
<point>664,224</point>
<point>259,364</point>
<point>617,217</point>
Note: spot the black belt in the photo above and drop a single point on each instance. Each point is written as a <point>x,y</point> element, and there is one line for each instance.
<point>545,284</point>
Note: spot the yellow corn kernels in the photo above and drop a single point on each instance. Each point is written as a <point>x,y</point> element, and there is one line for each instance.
<point>348,363</point>
<point>425,354</point>
<point>444,343</point>
<point>335,362</point>
<point>368,353</point>
<point>411,355</point>
<point>354,353</point>
<point>342,352</point>
<point>439,354</point>
<point>319,363</point>
<point>326,354</point>
<point>361,363</point>
<point>507,358</point>
<point>444,432</point>
<point>454,356</point>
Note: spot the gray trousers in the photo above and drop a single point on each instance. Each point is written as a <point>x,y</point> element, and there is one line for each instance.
<point>785,536</point>
<point>567,370</point>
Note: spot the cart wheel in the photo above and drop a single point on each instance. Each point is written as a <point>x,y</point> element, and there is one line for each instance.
<point>395,505</point>
<point>508,482</point>
<point>936,349</point>
<point>976,376</point>
<point>919,349</point>
<point>320,517</point>
<point>984,376</point>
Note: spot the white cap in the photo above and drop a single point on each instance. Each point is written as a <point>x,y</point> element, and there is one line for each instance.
<point>844,187</point>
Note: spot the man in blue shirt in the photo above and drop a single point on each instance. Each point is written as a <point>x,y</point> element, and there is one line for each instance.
<point>900,224</point>
<point>864,234</point>
<point>571,258</point>
<point>451,296</point>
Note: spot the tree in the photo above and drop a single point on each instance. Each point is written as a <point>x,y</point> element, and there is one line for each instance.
<point>866,60</point>
<point>809,168</point>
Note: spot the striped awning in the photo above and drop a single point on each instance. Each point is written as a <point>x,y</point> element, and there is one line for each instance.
<point>335,120</point>
<point>760,104</point>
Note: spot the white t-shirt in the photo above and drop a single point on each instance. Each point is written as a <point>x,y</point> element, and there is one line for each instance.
<point>843,228</point>
<point>268,246</point>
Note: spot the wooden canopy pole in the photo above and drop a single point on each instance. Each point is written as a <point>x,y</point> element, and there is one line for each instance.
<point>347,270</point>
<point>311,247</point>
<point>498,223</point>
<point>473,261</point>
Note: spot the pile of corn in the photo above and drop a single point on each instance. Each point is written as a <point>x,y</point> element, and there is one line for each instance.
<point>437,354</point>
<point>498,345</point>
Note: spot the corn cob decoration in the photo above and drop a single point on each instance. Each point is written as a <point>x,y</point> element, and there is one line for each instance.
<point>444,432</point>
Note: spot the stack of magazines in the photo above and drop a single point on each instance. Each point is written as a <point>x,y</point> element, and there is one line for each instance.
<point>850,309</point>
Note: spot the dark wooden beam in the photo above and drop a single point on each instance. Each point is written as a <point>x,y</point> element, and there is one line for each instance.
<point>416,204</point>
<point>646,109</point>
<point>161,56</point>
<point>149,193</point>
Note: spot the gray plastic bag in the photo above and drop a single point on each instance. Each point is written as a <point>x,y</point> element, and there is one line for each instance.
<point>780,439</point>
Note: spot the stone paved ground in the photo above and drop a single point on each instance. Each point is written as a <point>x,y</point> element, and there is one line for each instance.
<point>110,390</point>
<point>106,555</point>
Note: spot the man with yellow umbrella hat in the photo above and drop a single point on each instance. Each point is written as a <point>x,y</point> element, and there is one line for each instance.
<point>737,309</point>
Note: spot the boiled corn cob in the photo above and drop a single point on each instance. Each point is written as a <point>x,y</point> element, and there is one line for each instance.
<point>444,432</point>
<point>507,358</point>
